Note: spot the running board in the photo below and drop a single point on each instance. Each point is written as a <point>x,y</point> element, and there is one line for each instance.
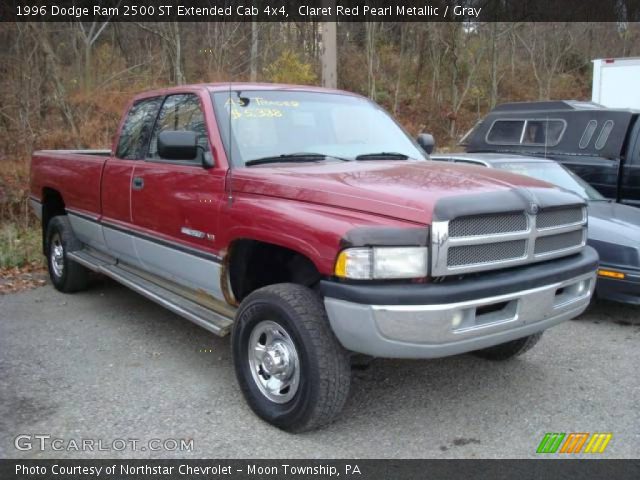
<point>206,318</point>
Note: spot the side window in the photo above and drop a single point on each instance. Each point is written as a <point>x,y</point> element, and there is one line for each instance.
<point>137,129</point>
<point>526,132</point>
<point>604,135</point>
<point>634,152</point>
<point>588,134</point>
<point>541,132</point>
<point>505,132</point>
<point>180,112</point>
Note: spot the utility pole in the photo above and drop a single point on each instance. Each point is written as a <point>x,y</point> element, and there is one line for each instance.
<point>329,55</point>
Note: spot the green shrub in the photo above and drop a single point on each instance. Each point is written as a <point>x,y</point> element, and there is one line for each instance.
<point>19,246</point>
<point>288,68</point>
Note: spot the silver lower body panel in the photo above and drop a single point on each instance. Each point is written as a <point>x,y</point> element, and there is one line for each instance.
<point>217,322</point>
<point>431,331</point>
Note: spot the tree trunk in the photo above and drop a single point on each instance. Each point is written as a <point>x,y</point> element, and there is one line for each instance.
<point>178,73</point>
<point>493,94</point>
<point>371,58</point>
<point>87,66</point>
<point>254,51</point>
<point>396,97</point>
<point>53,65</point>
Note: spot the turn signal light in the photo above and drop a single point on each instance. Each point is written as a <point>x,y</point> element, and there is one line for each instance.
<point>611,274</point>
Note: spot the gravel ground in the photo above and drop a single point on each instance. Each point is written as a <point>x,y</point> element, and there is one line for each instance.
<point>108,364</point>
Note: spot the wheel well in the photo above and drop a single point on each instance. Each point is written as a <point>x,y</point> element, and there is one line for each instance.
<point>52,206</point>
<point>253,264</point>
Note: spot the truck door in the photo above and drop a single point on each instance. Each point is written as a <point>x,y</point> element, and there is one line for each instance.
<point>630,181</point>
<point>117,177</point>
<point>175,203</point>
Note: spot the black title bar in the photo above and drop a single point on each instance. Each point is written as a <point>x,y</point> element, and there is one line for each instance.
<point>325,469</point>
<point>320,10</point>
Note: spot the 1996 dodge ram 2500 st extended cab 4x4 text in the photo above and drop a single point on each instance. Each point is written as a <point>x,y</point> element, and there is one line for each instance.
<point>308,224</point>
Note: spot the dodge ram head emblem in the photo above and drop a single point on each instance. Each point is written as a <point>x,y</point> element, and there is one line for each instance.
<point>534,208</point>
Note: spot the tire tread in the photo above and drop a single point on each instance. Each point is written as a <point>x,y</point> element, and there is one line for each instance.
<point>333,366</point>
<point>76,277</point>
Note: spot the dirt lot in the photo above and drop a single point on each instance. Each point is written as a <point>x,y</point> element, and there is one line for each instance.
<point>107,364</point>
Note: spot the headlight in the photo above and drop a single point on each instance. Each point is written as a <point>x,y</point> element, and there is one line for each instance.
<point>382,263</point>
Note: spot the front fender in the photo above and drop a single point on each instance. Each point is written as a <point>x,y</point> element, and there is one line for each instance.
<point>316,231</point>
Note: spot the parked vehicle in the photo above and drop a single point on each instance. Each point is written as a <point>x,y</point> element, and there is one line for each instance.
<point>601,145</point>
<point>614,229</point>
<point>615,82</point>
<point>309,225</point>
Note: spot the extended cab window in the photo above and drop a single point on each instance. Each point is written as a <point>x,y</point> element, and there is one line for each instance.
<point>136,129</point>
<point>181,112</point>
<point>526,132</point>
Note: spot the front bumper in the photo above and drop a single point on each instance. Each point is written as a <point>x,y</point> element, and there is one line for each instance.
<point>522,302</point>
<point>626,290</point>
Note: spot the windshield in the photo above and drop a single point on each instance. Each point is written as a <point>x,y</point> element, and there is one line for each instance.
<point>553,173</point>
<point>278,123</point>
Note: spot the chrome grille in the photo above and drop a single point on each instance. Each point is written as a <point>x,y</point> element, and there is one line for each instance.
<point>488,224</point>
<point>554,243</point>
<point>471,243</point>
<point>490,252</point>
<point>559,216</point>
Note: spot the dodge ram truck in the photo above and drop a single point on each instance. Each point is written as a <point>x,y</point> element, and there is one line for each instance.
<point>307,224</point>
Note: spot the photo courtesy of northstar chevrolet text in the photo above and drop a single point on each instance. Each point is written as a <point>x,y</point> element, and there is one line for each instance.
<point>309,239</point>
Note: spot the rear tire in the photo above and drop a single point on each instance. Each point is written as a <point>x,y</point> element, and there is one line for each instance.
<point>66,275</point>
<point>292,370</point>
<point>506,351</point>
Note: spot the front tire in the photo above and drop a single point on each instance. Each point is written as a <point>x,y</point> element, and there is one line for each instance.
<point>66,275</point>
<point>292,370</point>
<point>508,350</point>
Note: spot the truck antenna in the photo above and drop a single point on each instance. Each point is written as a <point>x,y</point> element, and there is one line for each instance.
<point>230,136</point>
<point>228,175</point>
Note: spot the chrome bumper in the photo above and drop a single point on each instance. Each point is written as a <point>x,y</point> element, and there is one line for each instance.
<point>430,331</point>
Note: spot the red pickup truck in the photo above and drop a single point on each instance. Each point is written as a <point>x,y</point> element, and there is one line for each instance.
<point>310,226</point>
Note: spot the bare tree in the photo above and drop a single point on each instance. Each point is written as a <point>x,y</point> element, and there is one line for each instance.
<point>254,50</point>
<point>547,46</point>
<point>370,29</point>
<point>396,96</point>
<point>52,62</point>
<point>172,39</point>
<point>464,61</point>
<point>89,37</point>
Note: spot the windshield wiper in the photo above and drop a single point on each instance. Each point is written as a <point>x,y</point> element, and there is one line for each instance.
<point>383,156</point>
<point>292,157</point>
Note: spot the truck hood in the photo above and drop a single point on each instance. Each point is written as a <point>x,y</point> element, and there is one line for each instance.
<point>405,190</point>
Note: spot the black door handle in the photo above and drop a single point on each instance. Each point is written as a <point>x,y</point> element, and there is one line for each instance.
<point>138,183</point>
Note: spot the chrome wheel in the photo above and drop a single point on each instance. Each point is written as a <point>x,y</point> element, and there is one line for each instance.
<point>274,363</point>
<point>56,253</point>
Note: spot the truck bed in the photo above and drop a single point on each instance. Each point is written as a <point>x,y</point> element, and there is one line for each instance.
<point>96,152</point>
<point>74,173</point>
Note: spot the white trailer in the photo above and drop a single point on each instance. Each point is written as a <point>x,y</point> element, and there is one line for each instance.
<point>616,82</point>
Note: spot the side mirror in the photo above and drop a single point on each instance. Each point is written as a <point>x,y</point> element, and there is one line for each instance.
<point>426,141</point>
<point>178,145</point>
